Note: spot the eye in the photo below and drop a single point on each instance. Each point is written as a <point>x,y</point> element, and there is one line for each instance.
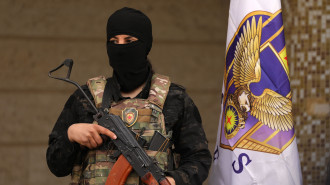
<point>130,40</point>
<point>113,40</point>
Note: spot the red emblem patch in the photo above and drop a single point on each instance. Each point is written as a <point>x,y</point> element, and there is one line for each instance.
<point>129,116</point>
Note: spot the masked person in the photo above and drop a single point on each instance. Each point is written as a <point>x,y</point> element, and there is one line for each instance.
<point>156,103</point>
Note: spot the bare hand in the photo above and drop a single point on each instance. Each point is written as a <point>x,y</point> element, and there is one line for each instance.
<point>171,180</point>
<point>88,135</point>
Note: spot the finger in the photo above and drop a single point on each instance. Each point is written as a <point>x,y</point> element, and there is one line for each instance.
<point>106,132</point>
<point>97,138</point>
<point>89,146</point>
<point>93,143</point>
<point>86,144</point>
<point>171,180</point>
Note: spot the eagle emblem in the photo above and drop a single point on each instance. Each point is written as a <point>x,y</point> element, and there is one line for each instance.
<point>271,108</point>
<point>257,107</point>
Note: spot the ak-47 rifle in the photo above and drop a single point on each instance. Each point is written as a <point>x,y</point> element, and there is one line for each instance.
<point>133,154</point>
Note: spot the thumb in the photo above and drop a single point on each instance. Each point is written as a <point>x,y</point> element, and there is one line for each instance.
<point>105,131</point>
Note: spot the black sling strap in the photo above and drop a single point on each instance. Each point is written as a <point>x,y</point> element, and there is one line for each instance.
<point>110,93</point>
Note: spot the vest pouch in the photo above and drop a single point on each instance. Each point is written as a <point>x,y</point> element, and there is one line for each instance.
<point>160,157</point>
<point>77,168</point>
<point>76,174</point>
<point>98,164</point>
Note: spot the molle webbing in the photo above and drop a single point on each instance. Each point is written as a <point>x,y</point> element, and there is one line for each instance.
<point>150,116</point>
<point>144,114</point>
<point>149,119</point>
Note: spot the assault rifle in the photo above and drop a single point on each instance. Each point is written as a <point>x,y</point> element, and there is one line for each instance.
<point>133,154</point>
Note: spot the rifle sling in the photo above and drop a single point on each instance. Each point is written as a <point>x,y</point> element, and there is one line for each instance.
<point>110,94</point>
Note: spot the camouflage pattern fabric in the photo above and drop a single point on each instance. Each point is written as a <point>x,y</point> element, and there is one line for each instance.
<point>159,89</point>
<point>97,85</point>
<point>149,118</point>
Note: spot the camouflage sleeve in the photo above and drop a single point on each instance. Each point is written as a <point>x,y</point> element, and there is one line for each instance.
<point>61,153</point>
<point>189,139</point>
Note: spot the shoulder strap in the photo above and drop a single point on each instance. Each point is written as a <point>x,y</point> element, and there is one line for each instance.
<point>96,87</point>
<point>110,94</point>
<point>160,85</point>
<point>100,89</point>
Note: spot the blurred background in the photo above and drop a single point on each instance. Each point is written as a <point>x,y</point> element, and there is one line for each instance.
<point>189,46</point>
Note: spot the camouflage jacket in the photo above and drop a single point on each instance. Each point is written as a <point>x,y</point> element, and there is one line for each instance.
<point>181,116</point>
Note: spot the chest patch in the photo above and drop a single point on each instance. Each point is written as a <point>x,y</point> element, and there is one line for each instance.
<point>130,115</point>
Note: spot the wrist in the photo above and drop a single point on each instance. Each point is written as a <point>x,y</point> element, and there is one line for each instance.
<point>69,135</point>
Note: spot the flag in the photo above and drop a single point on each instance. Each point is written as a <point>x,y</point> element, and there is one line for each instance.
<point>256,141</point>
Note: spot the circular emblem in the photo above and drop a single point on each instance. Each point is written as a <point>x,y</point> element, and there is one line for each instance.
<point>129,116</point>
<point>231,121</point>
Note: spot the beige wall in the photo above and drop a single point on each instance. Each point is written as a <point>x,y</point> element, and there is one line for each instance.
<point>36,36</point>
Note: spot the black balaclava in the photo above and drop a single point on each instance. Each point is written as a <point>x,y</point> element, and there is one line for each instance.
<point>129,61</point>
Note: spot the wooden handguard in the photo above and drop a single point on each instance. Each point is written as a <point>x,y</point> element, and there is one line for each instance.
<point>119,172</point>
<point>150,180</point>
